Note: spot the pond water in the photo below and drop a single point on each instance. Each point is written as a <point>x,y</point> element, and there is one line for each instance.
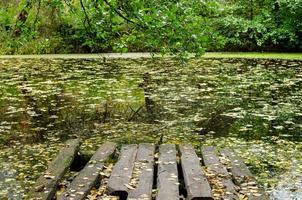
<point>252,106</point>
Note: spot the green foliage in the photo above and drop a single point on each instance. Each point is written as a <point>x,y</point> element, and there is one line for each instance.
<point>169,27</point>
<point>269,25</point>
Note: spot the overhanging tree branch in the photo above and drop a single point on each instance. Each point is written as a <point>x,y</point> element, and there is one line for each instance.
<point>86,15</point>
<point>120,14</point>
<point>69,5</point>
<point>38,12</point>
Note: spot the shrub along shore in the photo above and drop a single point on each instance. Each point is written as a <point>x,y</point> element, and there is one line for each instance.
<point>165,26</point>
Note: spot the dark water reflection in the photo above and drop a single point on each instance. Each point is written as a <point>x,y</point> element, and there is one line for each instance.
<point>253,106</point>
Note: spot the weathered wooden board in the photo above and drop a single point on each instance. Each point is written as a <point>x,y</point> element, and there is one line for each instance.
<point>214,166</point>
<point>145,163</point>
<point>212,161</point>
<point>243,177</point>
<point>133,176</point>
<point>167,176</point>
<point>196,183</point>
<point>122,171</point>
<point>46,184</point>
<point>82,184</point>
<point>239,170</point>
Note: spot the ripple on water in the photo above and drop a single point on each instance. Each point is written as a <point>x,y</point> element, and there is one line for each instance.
<point>9,186</point>
<point>290,185</point>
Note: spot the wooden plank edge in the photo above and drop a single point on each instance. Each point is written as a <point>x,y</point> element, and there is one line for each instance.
<point>145,166</point>
<point>196,183</point>
<point>88,176</point>
<point>118,183</point>
<point>46,185</point>
<point>243,177</point>
<point>218,173</point>
<point>167,175</point>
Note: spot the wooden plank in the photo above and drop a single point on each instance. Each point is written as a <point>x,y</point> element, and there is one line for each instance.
<point>212,161</point>
<point>145,163</point>
<point>239,170</point>
<point>196,183</point>
<point>167,177</point>
<point>221,174</point>
<point>46,184</point>
<point>243,177</point>
<point>82,184</point>
<point>118,183</point>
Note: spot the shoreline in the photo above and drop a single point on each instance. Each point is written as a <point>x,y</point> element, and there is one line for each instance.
<point>251,55</point>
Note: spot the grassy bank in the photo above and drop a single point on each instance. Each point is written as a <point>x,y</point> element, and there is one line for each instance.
<point>254,55</point>
<point>146,55</point>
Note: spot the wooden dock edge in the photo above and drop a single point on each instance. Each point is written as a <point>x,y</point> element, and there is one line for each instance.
<point>46,185</point>
<point>173,163</point>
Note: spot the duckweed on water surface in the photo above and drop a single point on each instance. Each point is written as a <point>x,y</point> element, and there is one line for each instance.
<point>252,106</point>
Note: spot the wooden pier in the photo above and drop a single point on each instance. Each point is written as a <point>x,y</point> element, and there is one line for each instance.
<point>162,172</point>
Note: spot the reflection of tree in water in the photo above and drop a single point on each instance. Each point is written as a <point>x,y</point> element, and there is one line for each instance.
<point>61,112</point>
<point>216,123</point>
<point>148,91</point>
<point>39,112</point>
<point>112,70</point>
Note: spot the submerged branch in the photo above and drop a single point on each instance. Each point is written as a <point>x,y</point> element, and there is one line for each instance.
<point>135,112</point>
